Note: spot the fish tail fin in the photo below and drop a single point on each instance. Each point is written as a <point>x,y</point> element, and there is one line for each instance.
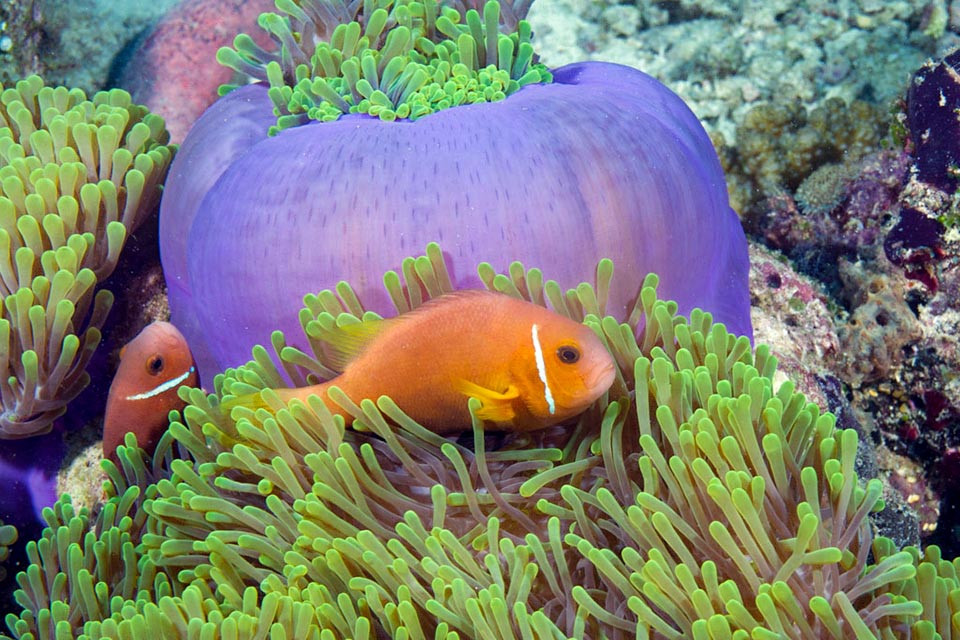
<point>254,401</point>
<point>251,401</point>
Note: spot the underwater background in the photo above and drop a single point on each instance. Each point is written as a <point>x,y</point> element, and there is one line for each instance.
<point>833,123</point>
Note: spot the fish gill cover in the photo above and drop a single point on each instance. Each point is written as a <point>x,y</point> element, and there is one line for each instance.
<point>695,500</point>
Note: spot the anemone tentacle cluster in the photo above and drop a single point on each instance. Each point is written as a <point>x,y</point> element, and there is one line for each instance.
<point>76,177</point>
<point>693,501</point>
<point>387,58</point>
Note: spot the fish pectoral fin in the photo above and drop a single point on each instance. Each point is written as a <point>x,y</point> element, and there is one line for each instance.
<point>497,406</point>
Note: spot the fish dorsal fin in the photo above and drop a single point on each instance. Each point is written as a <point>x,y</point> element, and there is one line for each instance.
<point>457,297</point>
<point>346,337</point>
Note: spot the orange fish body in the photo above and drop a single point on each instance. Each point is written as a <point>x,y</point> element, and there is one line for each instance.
<point>529,367</point>
<point>144,390</point>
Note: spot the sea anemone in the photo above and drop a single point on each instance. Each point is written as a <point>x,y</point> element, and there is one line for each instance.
<point>693,501</point>
<point>433,122</point>
<point>76,177</point>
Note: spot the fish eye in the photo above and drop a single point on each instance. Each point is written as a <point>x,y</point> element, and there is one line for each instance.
<point>155,364</point>
<point>568,354</point>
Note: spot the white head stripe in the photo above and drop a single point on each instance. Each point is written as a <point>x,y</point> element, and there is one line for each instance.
<point>164,386</point>
<point>542,370</point>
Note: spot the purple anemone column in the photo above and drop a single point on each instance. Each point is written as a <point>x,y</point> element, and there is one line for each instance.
<point>603,162</point>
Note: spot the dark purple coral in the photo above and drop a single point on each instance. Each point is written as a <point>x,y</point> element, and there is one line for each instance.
<point>914,244</point>
<point>603,162</point>
<point>934,123</point>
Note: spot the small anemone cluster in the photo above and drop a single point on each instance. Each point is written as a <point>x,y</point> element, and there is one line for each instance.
<point>694,500</point>
<point>387,58</point>
<point>76,177</point>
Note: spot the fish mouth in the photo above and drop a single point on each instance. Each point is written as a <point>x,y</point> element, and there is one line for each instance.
<point>600,378</point>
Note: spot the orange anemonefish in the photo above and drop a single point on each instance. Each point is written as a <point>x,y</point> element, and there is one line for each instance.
<point>529,367</point>
<point>144,390</point>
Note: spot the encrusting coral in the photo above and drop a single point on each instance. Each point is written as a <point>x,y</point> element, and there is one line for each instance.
<point>76,177</point>
<point>695,501</point>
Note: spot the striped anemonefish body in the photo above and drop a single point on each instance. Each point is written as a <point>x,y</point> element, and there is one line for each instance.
<point>529,367</point>
<point>144,390</point>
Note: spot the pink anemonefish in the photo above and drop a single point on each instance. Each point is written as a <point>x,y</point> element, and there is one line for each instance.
<point>529,367</point>
<point>144,390</point>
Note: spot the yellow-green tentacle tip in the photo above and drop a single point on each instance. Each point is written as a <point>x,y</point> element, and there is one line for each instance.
<point>413,58</point>
<point>8,535</point>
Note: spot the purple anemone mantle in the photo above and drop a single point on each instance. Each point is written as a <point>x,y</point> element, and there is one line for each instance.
<point>603,162</point>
